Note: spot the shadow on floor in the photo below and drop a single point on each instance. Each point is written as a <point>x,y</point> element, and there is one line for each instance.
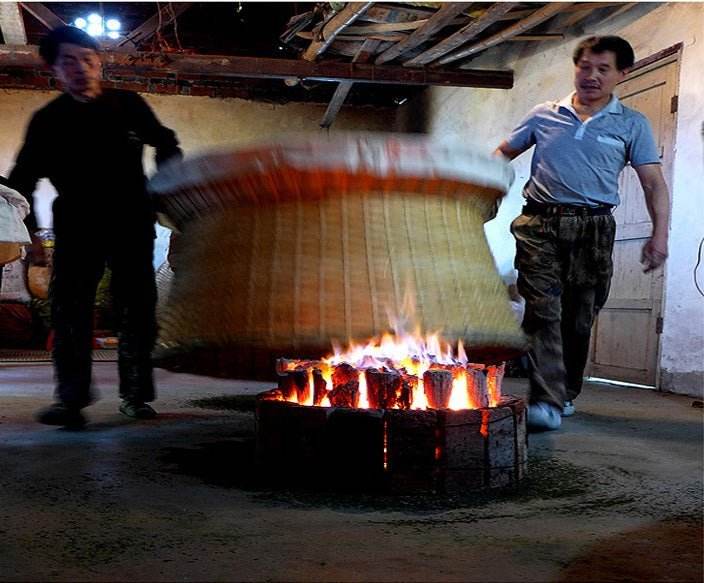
<point>666,550</point>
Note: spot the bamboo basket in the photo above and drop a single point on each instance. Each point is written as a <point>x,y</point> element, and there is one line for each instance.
<point>289,246</point>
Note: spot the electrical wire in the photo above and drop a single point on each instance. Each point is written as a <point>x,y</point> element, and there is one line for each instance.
<point>694,273</point>
<point>175,21</point>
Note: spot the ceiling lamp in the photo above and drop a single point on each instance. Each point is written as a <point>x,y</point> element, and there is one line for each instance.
<point>95,25</point>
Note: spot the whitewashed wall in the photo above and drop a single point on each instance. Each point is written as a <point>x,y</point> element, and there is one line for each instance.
<point>200,122</point>
<point>484,117</point>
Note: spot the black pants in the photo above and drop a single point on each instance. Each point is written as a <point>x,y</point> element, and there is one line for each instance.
<point>78,267</point>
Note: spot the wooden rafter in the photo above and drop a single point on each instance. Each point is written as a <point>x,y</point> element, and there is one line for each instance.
<point>150,26</point>
<point>365,53</point>
<point>11,24</point>
<point>540,15</point>
<point>223,66</point>
<point>432,25</point>
<point>537,37</point>
<point>333,27</point>
<point>620,10</point>
<point>384,27</point>
<point>43,14</point>
<point>489,17</point>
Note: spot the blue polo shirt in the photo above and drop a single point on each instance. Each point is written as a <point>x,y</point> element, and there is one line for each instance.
<point>576,162</point>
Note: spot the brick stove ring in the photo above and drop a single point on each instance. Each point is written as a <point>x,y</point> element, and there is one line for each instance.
<point>401,451</point>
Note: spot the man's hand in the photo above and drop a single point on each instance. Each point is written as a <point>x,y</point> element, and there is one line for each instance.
<point>657,201</point>
<point>36,254</point>
<point>653,255</point>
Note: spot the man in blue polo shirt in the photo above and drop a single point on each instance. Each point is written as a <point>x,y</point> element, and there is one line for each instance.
<point>565,234</point>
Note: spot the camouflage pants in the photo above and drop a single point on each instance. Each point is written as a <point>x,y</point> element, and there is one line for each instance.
<point>564,273</point>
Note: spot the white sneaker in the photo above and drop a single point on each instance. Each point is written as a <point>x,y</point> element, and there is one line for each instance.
<point>543,417</point>
<point>568,409</point>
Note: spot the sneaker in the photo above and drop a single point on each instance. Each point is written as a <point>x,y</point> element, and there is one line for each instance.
<point>60,414</point>
<point>137,410</point>
<point>543,417</point>
<point>568,409</point>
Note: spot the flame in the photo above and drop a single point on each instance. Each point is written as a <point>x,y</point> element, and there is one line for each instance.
<point>411,355</point>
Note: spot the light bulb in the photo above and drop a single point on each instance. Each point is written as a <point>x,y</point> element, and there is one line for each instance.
<point>95,18</point>
<point>80,23</point>
<point>113,34</point>
<point>113,24</point>
<point>95,29</point>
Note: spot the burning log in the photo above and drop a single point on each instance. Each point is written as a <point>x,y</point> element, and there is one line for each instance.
<point>409,383</point>
<point>320,387</point>
<point>438,388</point>
<point>383,388</point>
<point>494,376</point>
<point>284,365</point>
<point>476,386</point>
<point>345,386</point>
<point>294,385</point>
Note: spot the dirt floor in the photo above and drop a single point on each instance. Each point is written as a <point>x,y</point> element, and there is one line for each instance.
<point>615,495</point>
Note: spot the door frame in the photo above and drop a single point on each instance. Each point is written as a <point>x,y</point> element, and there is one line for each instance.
<point>662,58</point>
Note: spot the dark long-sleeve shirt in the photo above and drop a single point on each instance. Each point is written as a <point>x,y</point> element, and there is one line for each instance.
<point>92,154</point>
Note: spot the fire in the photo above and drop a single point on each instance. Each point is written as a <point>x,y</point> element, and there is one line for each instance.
<point>401,371</point>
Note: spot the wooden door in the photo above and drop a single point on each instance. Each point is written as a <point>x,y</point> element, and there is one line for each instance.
<point>625,340</point>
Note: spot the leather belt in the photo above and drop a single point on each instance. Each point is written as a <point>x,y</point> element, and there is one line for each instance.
<point>565,210</point>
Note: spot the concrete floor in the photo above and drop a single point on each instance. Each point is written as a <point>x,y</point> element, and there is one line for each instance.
<point>615,495</point>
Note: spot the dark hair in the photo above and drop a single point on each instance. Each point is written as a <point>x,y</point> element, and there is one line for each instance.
<point>49,45</point>
<point>599,44</point>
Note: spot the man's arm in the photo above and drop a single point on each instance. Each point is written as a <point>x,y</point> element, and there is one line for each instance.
<point>507,151</point>
<point>155,134</point>
<point>657,200</point>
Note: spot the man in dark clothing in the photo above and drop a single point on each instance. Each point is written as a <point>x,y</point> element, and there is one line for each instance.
<point>88,142</point>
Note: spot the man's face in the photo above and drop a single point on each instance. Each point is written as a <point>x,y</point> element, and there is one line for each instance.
<point>596,75</point>
<point>79,70</point>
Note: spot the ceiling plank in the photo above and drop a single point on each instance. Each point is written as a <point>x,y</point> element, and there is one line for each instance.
<point>540,15</point>
<point>622,8</point>
<point>579,6</point>
<point>177,65</point>
<point>43,14</point>
<point>537,37</point>
<point>365,54</point>
<point>489,17</point>
<point>432,25</point>
<point>11,24</point>
<point>333,27</point>
<point>384,27</point>
<point>384,13</point>
<point>149,27</point>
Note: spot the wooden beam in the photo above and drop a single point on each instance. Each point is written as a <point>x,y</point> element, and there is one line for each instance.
<point>620,10</point>
<point>393,36</point>
<point>43,14</point>
<point>365,54</point>
<point>540,15</point>
<point>11,24</point>
<point>492,14</point>
<point>432,25</point>
<point>537,37</point>
<point>384,13</point>
<point>333,27</point>
<point>176,65</point>
<point>148,28</point>
<point>383,27</point>
<point>579,6</point>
